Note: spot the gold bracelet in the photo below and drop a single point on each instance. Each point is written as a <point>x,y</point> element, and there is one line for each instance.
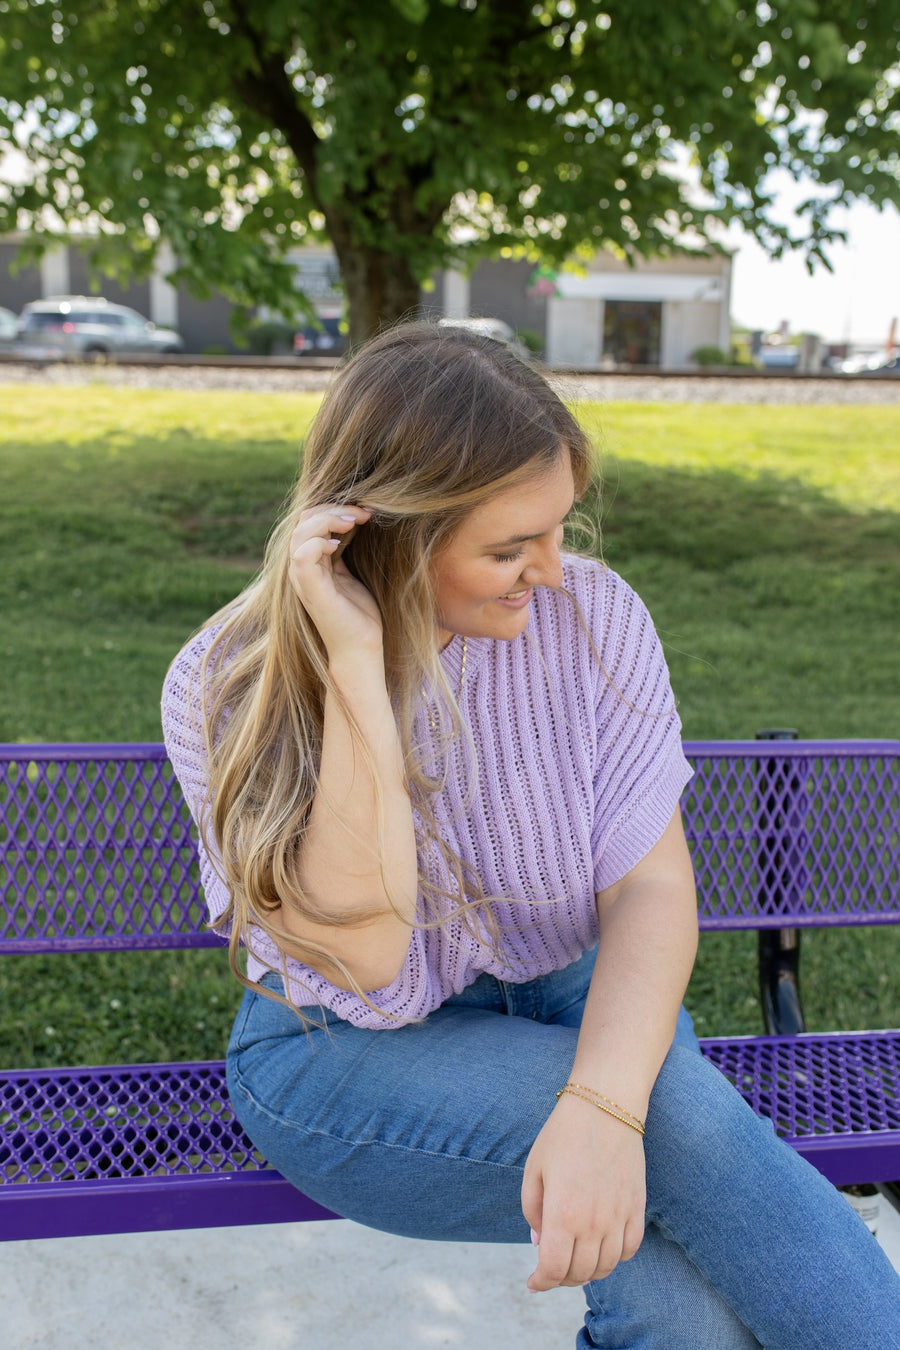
<point>609,1102</point>
<point>602,1103</point>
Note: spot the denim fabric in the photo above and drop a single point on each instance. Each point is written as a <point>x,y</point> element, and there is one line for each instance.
<point>424,1131</point>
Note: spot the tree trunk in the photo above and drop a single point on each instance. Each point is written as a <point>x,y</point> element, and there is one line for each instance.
<point>381,289</point>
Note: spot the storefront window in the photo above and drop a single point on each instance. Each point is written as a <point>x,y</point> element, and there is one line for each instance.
<point>631,332</point>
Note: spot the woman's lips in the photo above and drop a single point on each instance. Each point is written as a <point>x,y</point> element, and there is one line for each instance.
<point>516,599</point>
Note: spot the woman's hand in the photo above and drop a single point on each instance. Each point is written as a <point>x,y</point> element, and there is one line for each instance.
<point>342,609</point>
<point>584,1194</point>
<point>584,1190</point>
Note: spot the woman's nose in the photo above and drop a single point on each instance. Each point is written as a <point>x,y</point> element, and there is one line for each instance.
<point>545,568</point>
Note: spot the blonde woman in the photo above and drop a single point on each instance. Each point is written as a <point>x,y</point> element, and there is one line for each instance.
<point>436,763</point>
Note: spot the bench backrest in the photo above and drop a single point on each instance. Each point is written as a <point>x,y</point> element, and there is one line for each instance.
<point>99,850</point>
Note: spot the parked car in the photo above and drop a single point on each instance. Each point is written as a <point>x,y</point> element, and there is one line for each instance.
<point>324,340</point>
<point>8,325</point>
<point>86,326</point>
<point>877,365</point>
<point>778,356</point>
<point>497,329</point>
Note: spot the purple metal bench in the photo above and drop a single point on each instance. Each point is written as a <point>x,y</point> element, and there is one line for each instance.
<point>99,854</point>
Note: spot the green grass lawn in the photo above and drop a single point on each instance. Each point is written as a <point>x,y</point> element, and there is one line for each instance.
<point>766,542</point>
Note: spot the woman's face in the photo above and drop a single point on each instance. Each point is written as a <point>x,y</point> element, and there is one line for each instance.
<point>485,576</point>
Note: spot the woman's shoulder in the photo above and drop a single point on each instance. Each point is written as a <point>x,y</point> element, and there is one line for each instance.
<point>587,574</point>
<point>597,611</point>
<point>186,665</point>
<point>181,706</point>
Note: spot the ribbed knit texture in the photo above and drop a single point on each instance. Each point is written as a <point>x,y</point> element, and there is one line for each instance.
<point>577,770</point>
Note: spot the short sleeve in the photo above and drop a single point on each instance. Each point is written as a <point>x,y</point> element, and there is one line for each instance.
<point>183,736</point>
<point>640,768</point>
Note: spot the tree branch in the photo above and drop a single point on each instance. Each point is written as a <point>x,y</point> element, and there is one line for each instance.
<point>269,91</point>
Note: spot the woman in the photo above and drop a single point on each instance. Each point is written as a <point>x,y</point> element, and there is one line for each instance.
<point>436,766</point>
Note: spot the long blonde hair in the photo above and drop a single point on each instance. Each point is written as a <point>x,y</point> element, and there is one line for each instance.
<point>422,425</point>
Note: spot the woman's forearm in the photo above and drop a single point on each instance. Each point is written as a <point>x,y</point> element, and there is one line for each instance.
<point>584,1187</point>
<point>648,942</point>
<point>358,863</point>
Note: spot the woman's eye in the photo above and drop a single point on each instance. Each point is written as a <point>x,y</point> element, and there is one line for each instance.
<point>507,557</point>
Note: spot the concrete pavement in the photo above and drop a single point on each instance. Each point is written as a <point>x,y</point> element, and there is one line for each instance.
<point>314,1286</point>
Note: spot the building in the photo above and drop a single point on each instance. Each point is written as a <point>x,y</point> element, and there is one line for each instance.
<point>608,314</point>
<point>605,315</point>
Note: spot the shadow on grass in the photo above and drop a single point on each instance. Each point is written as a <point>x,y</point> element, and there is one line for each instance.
<point>713,520</point>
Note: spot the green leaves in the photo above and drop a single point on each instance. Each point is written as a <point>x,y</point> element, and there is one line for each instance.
<point>414,11</point>
<point>414,134</point>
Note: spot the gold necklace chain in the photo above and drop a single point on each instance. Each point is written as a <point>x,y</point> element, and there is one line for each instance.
<point>462,676</point>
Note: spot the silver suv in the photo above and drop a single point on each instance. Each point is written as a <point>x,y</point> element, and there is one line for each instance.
<point>87,326</point>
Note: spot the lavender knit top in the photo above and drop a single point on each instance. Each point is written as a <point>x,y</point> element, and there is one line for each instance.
<point>577,770</point>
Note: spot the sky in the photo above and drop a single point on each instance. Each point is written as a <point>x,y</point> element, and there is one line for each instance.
<point>855,303</point>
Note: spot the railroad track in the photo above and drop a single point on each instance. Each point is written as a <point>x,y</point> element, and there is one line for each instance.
<point>312,374</point>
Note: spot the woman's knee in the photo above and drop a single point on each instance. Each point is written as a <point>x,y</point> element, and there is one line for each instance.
<point>659,1300</point>
<point>691,1097</point>
<point>697,1125</point>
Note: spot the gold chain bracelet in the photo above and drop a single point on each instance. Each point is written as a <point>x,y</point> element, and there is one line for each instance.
<point>602,1103</point>
<point>609,1102</point>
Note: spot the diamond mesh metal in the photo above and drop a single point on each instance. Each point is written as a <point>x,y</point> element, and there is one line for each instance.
<point>174,1120</point>
<point>156,1120</point>
<point>807,833</point>
<point>99,851</point>
<point>812,1085</point>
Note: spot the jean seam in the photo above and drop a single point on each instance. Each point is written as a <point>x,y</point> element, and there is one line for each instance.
<point>294,1126</point>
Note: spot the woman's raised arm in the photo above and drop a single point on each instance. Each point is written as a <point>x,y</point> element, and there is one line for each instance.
<point>361,820</point>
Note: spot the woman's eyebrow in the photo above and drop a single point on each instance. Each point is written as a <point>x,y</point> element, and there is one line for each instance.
<point>515,539</point>
<point>524,538</point>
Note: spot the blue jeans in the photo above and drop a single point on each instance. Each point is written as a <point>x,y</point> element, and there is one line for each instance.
<point>424,1130</point>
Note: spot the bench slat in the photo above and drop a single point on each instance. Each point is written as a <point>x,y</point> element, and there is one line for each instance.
<point>805,833</point>
<point>131,1148</point>
<point>834,1096</point>
<point>156,1147</point>
<point>100,851</point>
<point>74,1209</point>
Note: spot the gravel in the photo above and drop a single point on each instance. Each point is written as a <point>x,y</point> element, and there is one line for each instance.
<point>275,377</point>
<point>728,389</point>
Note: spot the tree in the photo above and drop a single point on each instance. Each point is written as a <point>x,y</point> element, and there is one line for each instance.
<point>417,133</point>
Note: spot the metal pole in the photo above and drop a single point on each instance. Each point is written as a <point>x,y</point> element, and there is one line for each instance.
<point>782,882</point>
